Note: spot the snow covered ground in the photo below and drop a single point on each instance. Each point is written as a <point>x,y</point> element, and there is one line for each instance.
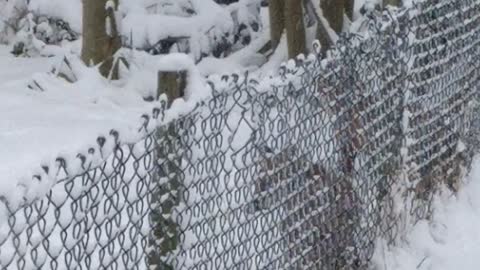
<point>37,126</point>
<point>450,242</point>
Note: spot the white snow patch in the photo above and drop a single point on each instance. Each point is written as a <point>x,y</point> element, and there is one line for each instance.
<point>65,119</point>
<point>451,241</point>
<point>67,10</point>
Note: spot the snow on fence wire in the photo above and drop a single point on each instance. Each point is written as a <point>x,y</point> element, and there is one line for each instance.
<point>302,171</point>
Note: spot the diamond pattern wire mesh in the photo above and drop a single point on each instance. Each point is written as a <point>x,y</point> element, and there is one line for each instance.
<point>306,170</point>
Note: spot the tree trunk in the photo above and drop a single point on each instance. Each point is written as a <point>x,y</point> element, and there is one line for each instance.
<point>349,6</point>
<point>322,34</point>
<point>395,3</point>
<point>323,37</point>
<point>99,43</point>
<point>277,21</point>
<point>295,28</point>
<point>333,11</point>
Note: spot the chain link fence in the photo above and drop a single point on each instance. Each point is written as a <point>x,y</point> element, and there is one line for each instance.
<point>305,170</point>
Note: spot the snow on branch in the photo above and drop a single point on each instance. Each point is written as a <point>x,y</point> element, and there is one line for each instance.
<point>205,25</point>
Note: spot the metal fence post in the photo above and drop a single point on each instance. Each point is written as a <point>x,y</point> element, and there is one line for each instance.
<point>166,194</point>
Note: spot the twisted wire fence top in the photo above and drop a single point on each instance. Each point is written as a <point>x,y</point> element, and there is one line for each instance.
<point>306,170</point>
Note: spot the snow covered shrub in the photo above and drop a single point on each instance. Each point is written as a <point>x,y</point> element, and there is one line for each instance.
<point>59,30</point>
<point>197,27</point>
<point>68,11</point>
<point>247,22</point>
<point>53,30</point>
<point>12,12</point>
<point>31,24</point>
<point>226,2</point>
<point>200,28</point>
<point>37,31</point>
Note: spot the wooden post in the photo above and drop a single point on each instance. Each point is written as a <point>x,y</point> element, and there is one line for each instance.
<point>172,84</point>
<point>349,7</point>
<point>322,34</point>
<point>168,182</point>
<point>295,27</point>
<point>277,21</point>
<point>333,11</point>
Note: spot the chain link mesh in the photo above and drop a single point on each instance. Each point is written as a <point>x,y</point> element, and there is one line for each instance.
<point>306,170</point>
